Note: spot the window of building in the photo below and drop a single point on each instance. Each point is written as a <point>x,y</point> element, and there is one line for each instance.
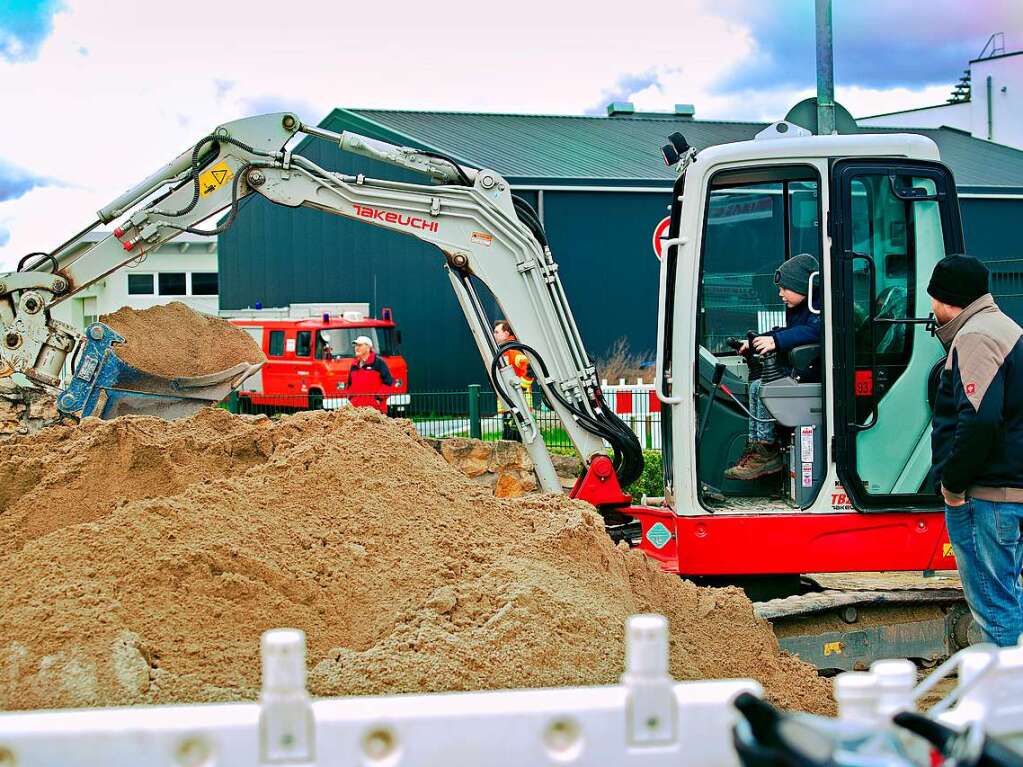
<point>304,345</point>
<point>141,285</point>
<point>205,284</point>
<point>276,343</point>
<point>173,284</point>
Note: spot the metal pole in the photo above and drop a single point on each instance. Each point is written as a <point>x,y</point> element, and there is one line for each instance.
<point>475,427</point>
<point>825,70</point>
<point>990,113</point>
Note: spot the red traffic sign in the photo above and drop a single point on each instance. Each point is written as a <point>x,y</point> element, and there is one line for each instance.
<point>660,235</point>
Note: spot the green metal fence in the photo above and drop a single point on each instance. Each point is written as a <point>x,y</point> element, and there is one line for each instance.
<point>469,413</point>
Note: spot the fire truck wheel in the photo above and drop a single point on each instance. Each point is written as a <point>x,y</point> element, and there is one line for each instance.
<point>315,400</point>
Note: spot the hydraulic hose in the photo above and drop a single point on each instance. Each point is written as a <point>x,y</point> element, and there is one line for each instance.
<point>529,217</point>
<point>462,175</point>
<point>212,138</point>
<point>628,454</point>
<point>232,213</point>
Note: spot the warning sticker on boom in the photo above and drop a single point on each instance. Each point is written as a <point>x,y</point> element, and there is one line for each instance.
<point>212,179</point>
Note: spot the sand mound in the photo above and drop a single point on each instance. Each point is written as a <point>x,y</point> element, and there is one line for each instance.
<point>192,537</point>
<point>173,340</point>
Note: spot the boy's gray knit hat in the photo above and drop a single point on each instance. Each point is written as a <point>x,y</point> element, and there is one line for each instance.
<point>795,273</point>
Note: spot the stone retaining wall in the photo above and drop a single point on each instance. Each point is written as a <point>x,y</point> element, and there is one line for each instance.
<point>24,411</point>
<point>504,466</point>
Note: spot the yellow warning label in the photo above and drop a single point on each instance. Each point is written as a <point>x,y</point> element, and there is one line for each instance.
<point>946,551</point>
<point>482,238</point>
<point>214,178</point>
<point>833,648</point>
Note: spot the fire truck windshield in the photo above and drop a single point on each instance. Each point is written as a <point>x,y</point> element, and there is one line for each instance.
<point>336,343</point>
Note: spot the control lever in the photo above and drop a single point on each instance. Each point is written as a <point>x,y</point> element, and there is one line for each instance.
<point>753,360</point>
<point>772,368</point>
<point>719,372</point>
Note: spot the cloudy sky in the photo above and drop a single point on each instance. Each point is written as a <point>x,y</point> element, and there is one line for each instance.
<point>99,94</point>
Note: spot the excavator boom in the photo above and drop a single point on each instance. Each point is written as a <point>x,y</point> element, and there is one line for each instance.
<point>488,237</point>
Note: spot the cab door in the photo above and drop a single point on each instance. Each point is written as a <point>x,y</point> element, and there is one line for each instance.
<point>890,222</point>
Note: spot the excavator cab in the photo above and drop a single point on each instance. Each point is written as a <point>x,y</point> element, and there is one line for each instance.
<point>877,212</point>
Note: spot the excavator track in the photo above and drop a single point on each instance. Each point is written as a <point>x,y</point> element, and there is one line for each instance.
<point>849,620</point>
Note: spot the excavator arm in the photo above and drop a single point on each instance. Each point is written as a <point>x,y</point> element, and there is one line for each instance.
<point>487,236</point>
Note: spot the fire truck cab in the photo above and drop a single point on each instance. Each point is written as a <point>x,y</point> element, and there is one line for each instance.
<point>309,352</point>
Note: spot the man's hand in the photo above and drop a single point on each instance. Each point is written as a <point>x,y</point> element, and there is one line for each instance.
<point>764,344</point>
<point>954,500</point>
<point>744,347</point>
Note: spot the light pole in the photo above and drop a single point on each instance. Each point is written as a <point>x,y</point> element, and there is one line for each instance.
<point>825,70</point>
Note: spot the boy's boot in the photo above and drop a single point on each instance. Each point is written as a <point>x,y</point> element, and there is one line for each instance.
<point>760,460</point>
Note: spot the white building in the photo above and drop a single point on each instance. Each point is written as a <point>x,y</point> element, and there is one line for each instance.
<point>987,103</point>
<point>184,269</point>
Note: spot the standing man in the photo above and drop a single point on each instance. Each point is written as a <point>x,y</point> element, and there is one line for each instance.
<point>520,364</point>
<point>977,443</point>
<point>368,377</point>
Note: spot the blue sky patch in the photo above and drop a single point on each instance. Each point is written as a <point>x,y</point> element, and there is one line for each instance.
<point>876,45</point>
<point>16,182</point>
<point>24,25</point>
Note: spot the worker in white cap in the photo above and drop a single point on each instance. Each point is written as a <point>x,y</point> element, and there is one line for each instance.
<point>369,378</point>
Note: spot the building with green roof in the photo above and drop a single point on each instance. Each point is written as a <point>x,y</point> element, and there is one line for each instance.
<point>600,187</point>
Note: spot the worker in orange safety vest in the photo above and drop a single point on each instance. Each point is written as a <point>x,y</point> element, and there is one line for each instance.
<point>520,364</point>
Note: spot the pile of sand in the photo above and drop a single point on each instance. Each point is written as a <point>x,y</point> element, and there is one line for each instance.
<point>143,559</point>
<point>173,340</point>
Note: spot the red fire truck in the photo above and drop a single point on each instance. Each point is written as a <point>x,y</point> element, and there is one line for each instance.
<point>309,351</point>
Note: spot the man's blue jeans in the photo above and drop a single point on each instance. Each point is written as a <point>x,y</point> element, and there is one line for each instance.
<point>987,538</point>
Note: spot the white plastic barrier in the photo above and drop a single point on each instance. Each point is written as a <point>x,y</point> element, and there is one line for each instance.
<point>648,720</point>
<point>638,406</point>
<point>988,693</point>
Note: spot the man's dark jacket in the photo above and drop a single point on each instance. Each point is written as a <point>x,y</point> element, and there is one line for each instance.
<point>977,430</point>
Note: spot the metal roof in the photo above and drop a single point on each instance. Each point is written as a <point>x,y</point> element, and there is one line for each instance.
<point>622,150</point>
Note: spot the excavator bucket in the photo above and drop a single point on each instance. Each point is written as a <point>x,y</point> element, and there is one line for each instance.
<point>104,386</point>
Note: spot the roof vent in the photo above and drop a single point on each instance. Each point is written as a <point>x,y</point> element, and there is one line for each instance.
<point>685,110</point>
<point>616,108</point>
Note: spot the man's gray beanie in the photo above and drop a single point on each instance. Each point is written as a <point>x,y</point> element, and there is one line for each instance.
<point>795,273</point>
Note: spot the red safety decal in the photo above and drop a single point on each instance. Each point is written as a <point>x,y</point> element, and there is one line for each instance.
<point>864,383</point>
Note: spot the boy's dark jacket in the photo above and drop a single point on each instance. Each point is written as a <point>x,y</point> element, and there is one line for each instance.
<point>801,327</point>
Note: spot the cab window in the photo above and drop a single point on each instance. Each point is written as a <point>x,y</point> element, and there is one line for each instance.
<point>883,238</point>
<point>303,343</point>
<point>752,227</point>
<point>276,348</point>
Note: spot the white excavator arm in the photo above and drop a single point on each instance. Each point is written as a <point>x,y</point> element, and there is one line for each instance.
<point>485,233</point>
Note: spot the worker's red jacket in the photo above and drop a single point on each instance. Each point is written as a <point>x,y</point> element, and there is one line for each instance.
<point>368,382</point>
